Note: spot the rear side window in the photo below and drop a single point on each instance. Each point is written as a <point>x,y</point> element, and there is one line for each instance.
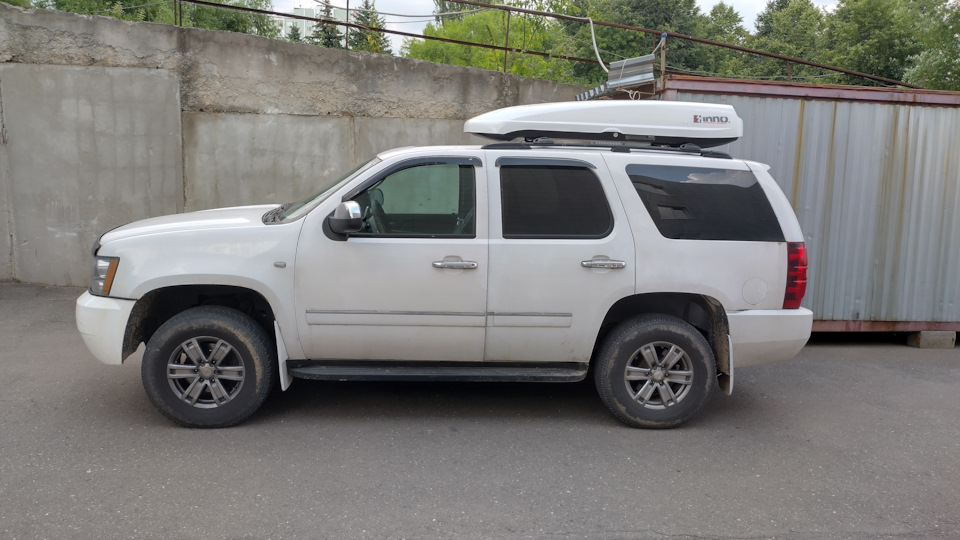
<point>706,204</point>
<point>546,201</point>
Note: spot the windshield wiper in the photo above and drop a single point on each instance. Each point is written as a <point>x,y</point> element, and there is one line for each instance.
<point>275,215</point>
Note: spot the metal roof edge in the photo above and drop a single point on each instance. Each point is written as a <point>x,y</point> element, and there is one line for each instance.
<point>714,85</point>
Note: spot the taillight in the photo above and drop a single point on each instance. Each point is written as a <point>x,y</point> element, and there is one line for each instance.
<point>796,275</point>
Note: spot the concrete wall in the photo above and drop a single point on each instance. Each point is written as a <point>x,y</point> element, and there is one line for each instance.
<point>105,121</point>
<point>86,149</point>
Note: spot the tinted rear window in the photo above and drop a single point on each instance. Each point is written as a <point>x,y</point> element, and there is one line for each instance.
<point>553,202</point>
<point>706,204</point>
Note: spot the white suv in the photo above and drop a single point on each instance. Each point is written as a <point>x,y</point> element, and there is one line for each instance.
<point>626,247</point>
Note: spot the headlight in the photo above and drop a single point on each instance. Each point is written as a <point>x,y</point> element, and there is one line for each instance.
<point>104,268</point>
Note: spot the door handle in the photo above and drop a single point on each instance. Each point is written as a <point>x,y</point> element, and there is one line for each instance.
<point>603,263</point>
<point>456,265</point>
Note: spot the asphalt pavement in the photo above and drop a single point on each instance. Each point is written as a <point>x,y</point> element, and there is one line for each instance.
<point>851,439</point>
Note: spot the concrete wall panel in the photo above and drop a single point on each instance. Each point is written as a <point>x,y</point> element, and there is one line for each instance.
<point>37,36</point>
<point>240,73</point>
<point>6,218</point>
<point>374,135</point>
<point>238,159</point>
<point>88,149</point>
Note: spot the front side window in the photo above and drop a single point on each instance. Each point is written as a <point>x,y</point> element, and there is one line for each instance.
<point>421,201</point>
<point>699,203</point>
<point>548,201</point>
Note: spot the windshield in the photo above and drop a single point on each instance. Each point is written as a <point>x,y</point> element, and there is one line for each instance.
<point>294,210</point>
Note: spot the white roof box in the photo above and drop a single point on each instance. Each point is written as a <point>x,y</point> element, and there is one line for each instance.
<point>657,122</point>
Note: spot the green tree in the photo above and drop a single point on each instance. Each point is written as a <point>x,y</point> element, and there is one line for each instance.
<point>725,25</point>
<point>128,10</point>
<point>327,34</point>
<point>871,36</point>
<point>489,27</point>
<point>766,26</point>
<point>368,40</point>
<point>937,65</point>
<point>443,6</point>
<point>680,16</point>
<point>193,16</point>
<point>211,18</point>
<point>293,34</point>
<point>790,28</point>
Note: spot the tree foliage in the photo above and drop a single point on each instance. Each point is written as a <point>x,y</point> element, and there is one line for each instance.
<point>326,34</point>
<point>680,16</point>
<point>128,10</point>
<point>792,28</point>
<point>490,28</point>
<point>368,40</point>
<point>917,41</point>
<point>913,40</point>
<point>212,18</point>
<point>871,36</point>
<point>937,65</point>
<point>293,35</point>
<point>725,25</point>
<point>209,18</point>
<point>440,7</point>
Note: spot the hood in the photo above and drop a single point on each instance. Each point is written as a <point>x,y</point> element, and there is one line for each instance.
<point>220,218</point>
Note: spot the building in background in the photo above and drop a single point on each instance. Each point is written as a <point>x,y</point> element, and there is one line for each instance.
<point>306,27</point>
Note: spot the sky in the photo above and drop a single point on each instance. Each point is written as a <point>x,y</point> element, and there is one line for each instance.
<point>748,9</point>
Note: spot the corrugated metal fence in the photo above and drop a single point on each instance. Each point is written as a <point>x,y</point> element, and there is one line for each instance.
<point>876,187</point>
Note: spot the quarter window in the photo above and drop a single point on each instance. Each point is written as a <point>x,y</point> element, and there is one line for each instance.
<point>706,204</point>
<point>541,201</point>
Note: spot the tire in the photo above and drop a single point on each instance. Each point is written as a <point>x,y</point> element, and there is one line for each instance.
<point>655,371</point>
<point>229,366</point>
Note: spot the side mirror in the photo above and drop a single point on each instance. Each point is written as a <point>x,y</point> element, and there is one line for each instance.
<point>346,218</point>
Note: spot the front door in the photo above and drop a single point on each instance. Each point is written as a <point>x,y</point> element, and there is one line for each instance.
<point>411,285</point>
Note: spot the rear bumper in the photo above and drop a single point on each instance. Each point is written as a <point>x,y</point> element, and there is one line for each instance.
<point>765,336</point>
<point>102,323</point>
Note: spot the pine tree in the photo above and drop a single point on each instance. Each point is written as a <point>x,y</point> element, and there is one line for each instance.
<point>293,34</point>
<point>326,34</point>
<point>368,40</point>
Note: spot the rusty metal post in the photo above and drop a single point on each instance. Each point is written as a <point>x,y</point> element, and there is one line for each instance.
<point>506,44</point>
<point>346,37</point>
<point>663,62</point>
<point>788,70</point>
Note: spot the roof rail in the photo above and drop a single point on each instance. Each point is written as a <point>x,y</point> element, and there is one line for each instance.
<point>546,142</point>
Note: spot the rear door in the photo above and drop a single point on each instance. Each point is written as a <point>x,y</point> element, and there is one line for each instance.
<point>561,253</point>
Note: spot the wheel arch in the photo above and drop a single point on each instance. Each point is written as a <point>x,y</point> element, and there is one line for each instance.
<point>159,305</point>
<point>703,312</point>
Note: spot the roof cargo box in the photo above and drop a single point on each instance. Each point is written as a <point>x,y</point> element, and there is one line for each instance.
<point>657,122</point>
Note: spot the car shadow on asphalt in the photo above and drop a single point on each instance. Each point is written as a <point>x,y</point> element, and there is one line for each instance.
<point>435,400</point>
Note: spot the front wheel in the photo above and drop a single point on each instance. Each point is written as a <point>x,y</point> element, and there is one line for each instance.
<point>655,371</point>
<point>208,366</point>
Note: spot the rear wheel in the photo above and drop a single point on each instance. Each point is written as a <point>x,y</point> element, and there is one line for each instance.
<point>655,371</point>
<point>209,366</point>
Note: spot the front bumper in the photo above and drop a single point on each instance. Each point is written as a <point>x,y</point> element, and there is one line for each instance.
<point>765,336</point>
<point>102,322</point>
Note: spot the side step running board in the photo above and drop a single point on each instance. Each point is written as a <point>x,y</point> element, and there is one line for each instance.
<point>446,372</point>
